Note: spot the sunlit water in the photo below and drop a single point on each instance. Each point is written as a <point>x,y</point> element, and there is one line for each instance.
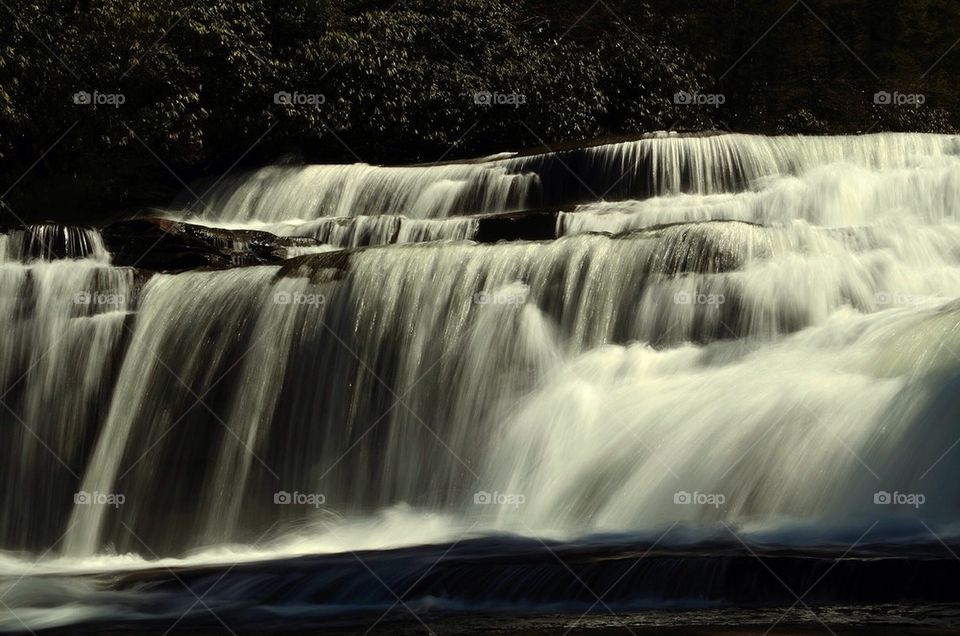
<point>761,352</point>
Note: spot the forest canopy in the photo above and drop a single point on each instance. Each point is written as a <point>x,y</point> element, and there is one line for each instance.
<point>109,106</point>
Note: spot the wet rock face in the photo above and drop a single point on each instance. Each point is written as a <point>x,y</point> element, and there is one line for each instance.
<point>171,246</point>
<point>164,245</point>
<point>540,225</point>
<point>319,268</point>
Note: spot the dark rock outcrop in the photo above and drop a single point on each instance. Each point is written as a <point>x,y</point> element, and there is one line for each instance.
<point>164,245</point>
<point>535,225</point>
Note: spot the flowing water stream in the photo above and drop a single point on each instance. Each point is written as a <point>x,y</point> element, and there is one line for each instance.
<point>749,338</point>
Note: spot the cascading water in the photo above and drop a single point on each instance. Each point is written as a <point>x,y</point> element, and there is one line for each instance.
<point>358,205</point>
<point>393,315</point>
<point>63,332</point>
<point>361,205</point>
<point>47,242</point>
<point>360,231</point>
<point>312,192</point>
<point>668,165</point>
<point>778,330</point>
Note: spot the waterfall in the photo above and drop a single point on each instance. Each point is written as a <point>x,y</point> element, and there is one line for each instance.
<point>47,242</point>
<point>308,193</point>
<point>179,352</point>
<point>713,164</point>
<point>512,360</point>
<point>770,320</point>
<point>772,431</point>
<point>64,332</point>
<point>925,189</point>
<point>359,231</point>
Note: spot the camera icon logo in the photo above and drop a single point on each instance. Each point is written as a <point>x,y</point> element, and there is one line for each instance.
<point>81,498</point>
<point>682,298</point>
<point>483,98</point>
<point>682,498</point>
<point>483,498</point>
<point>282,498</point>
<point>82,298</point>
<point>283,97</point>
<point>882,498</point>
<point>82,98</point>
<point>882,98</point>
<point>283,298</point>
<point>682,98</point>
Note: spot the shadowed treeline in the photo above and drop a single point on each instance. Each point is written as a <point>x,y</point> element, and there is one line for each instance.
<point>107,106</point>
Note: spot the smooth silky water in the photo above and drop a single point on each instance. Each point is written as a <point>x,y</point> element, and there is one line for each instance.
<point>754,344</point>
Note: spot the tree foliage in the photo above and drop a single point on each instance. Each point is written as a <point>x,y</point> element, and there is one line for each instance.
<point>400,82</point>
